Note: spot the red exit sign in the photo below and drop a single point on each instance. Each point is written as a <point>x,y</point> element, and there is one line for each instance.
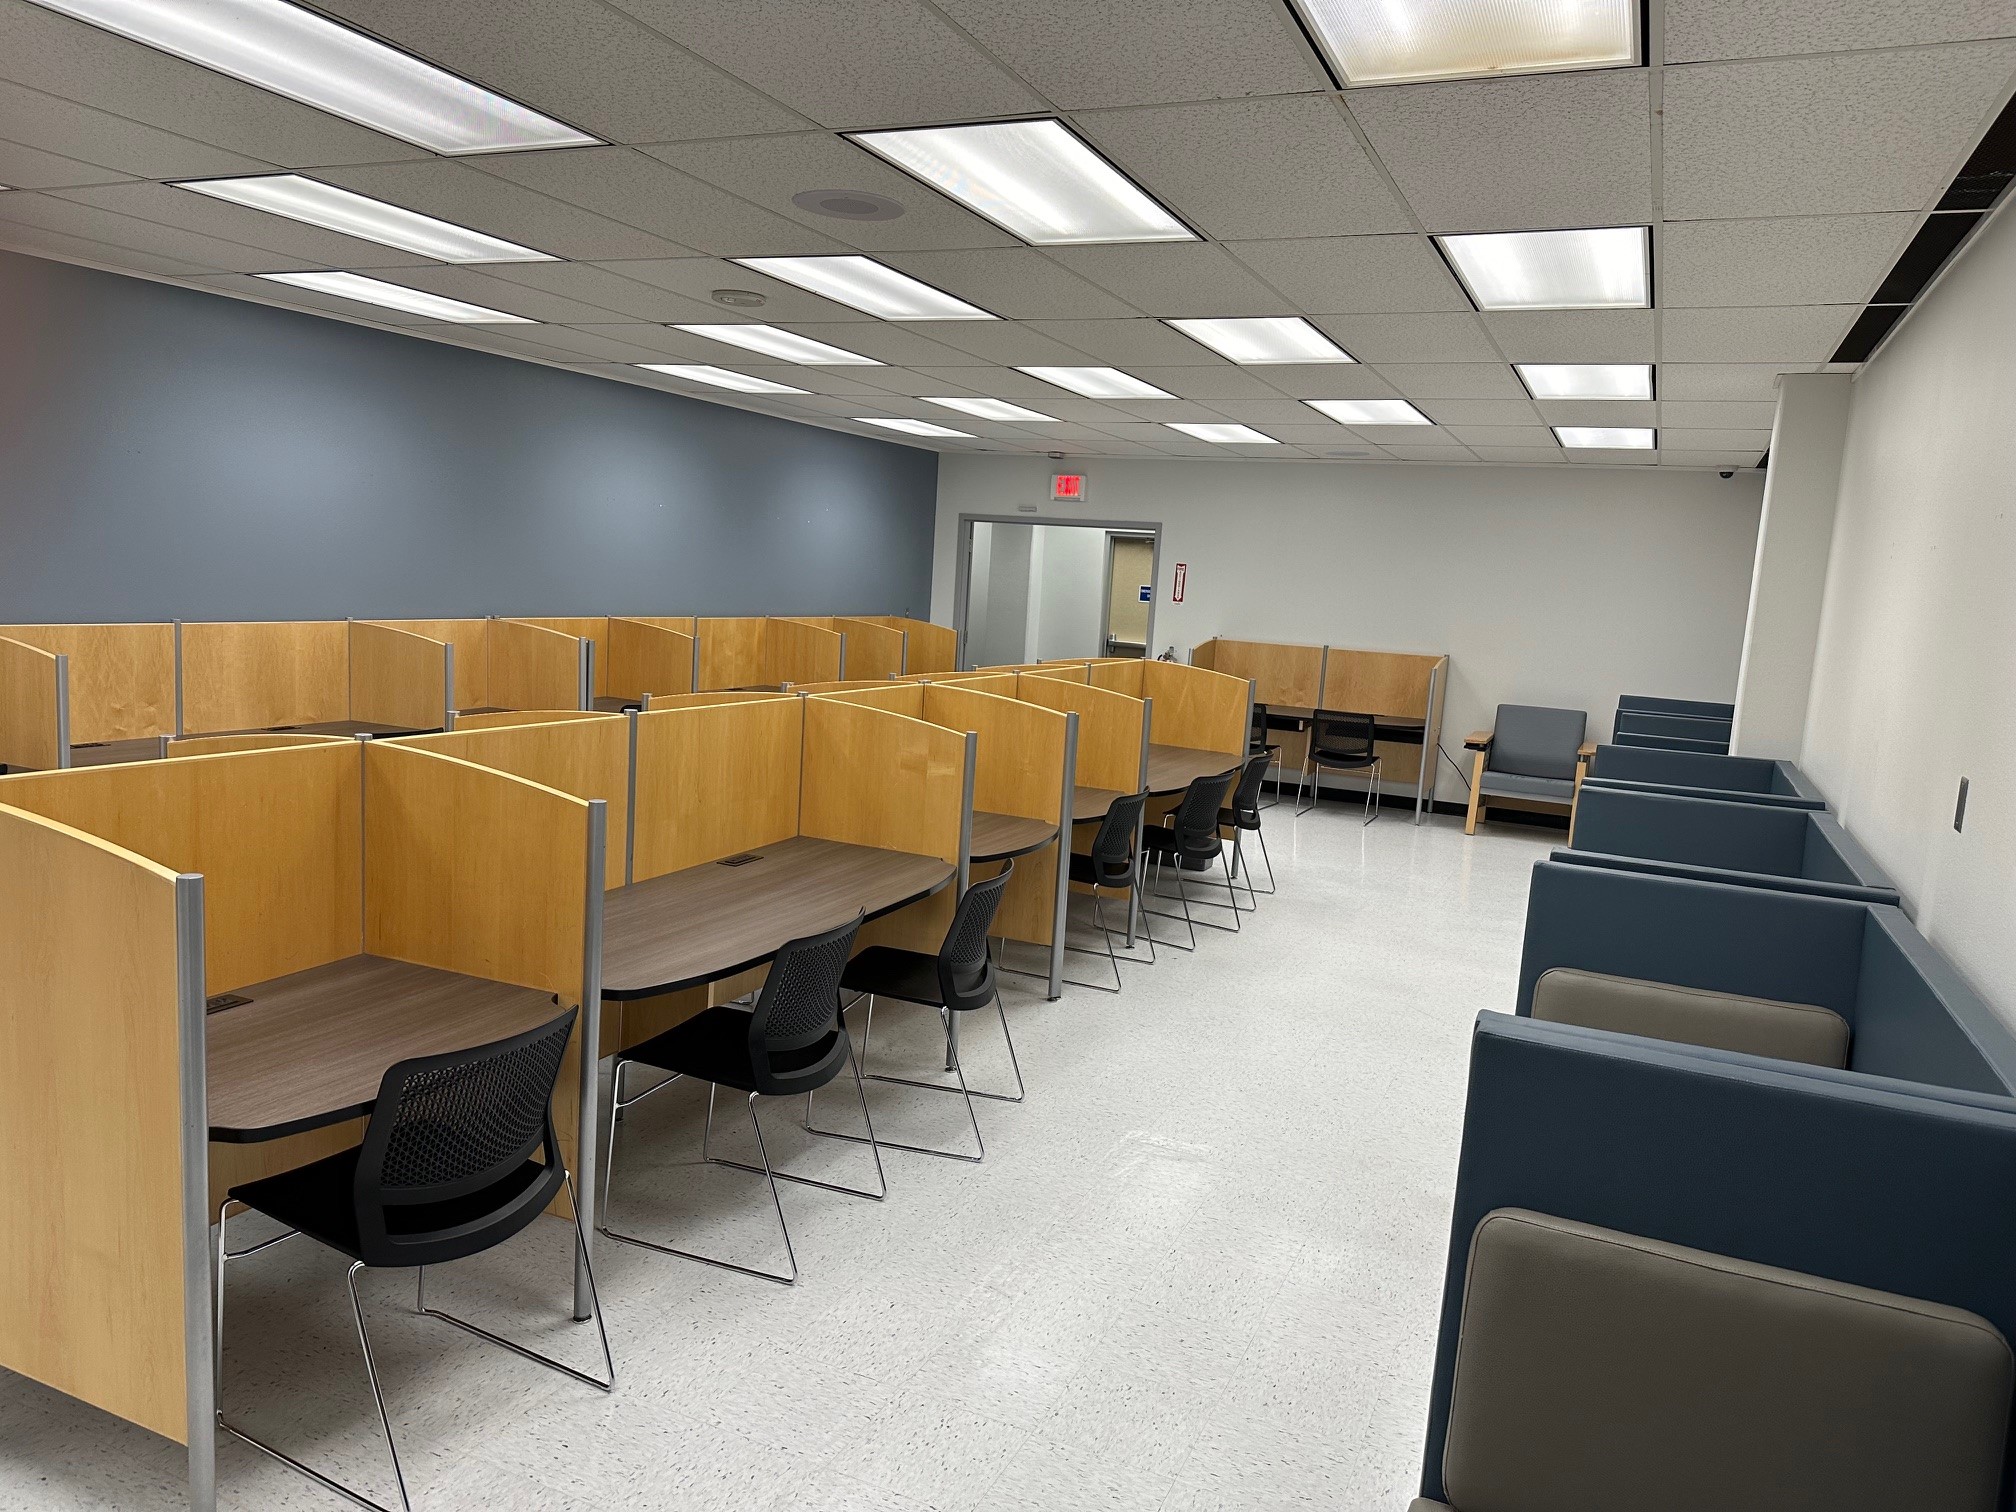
<point>1067,485</point>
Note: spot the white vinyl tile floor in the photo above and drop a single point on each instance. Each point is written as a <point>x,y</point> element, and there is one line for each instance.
<point>1198,1270</point>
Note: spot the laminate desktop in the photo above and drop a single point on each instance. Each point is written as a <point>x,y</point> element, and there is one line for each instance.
<point>1002,837</point>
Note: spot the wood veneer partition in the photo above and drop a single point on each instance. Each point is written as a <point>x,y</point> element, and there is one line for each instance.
<point>122,677</point>
<point>593,628</point>
<point>504,719</point>
<point>1003,683</point>
<point>532,666</point>
<point>733,653</point>
<point>34,707</point>
<point>1112,730</point>
<point>470,639</point>
<point>705,700</point>
<point>897,697</point>
<point>796,651</point>
<point>1117,676</point>
<point>1197,708</point>
<point>647,658</point>
<point>264,675</point>
<point>1289,676</point>
<point>930,648</point>
<point>715,779</point>
<point>261,740</point>
<point>400,678</point>
<point>874,649</point>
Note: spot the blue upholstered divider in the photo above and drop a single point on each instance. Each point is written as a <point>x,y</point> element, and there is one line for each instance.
<point>1752,779</point>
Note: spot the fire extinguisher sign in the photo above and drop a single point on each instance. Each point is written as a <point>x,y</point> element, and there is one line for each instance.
<point>1182,572</point>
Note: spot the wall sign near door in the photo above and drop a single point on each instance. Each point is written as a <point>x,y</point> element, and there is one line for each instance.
<point>1182,572</point>
<point>1147,593</point>
<point>1067,486</point>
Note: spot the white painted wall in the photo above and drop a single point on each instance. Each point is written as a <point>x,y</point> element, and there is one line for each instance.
<point>1070,592</point>
<point>1547,585</point>
<point>1914,681</point>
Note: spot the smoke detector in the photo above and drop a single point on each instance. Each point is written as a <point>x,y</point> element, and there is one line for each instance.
<point>741,299</point>
<point>848,204</point>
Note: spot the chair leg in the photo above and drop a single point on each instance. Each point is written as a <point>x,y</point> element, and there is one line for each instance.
<point>1372,795</point>
<point>377,1393</point>
<point>1315,790</point>
<point>979,1143</point>
<point>901,1081</point>
<point>581,1250</point>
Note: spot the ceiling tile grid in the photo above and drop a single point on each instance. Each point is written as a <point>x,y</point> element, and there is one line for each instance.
<point>1782,156</point>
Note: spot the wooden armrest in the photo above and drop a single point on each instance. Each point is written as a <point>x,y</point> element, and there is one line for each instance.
<point>1478,740</point>
<point>1588,750</point>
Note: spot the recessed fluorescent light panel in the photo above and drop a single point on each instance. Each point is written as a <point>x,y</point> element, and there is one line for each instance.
<point>1609,268</point>
<point>742,383</point>
<point>787,346</point>
<point>1273,338</point>
<point>1034,178</point>
<point>913,427</point>
<point>1586,380</point>
<point>1225,435</point>
<point>1614,437</point>
<point>305,57</point>
<point>375,291</point>
<point>1369,411</point>
<point>319,204</point>
<point>1098,382</point>
<point>994,409</point>
<point>865,284</point>
<point>1396,41</point>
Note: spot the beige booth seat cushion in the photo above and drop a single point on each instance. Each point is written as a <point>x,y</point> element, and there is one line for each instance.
<point>1601,1372</point>
<point>1693,1016</point>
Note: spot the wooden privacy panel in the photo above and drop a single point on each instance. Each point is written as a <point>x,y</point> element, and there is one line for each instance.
<point>896,697</point>
<point>532,667</point>
<point>471,640</point>
<point>31,690</point>
<point>397,678</point>
<point>645,658</point>
<point>704,700</point>
<point>473,870</point>
<point>511,719</point>
<point>122,677</point>
<point>873,650</point>
<point>1288,676</point>
<point>587,757</point>
<point>1204,710</point>
<point>1003,683</point>
<point>275,833</point>
<point>264,675</point>
<point>594,628</point>
<point>714,779</point>
<point>264,740</point>
<point>1069,671</point>
<point>680,623</point>
<point>1378,682</point>
<point>91,1224</point>
<point>1110,730</point>
<point>796,652</point>
<point>732,654</point>
<point>1116,676</point>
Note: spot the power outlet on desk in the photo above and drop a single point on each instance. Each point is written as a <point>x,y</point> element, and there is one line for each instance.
<point>1960,807</point>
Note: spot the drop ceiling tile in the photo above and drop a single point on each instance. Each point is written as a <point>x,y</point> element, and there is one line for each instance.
<point>1273,411</point>
<point>17,237</point>
<point>54,125</point>
<point>579,60</point>
<point>1753,441</point>
<point>1411,338</point>
<point>476,287</point>
<point>1410,437</point>
<point>169,206</point>
<point>491,339</point>
<point>1697,29</point>
<point>244,285</point>
<point>863,63</point>
<point>1533,454</point>
<point>1326,380</point>
<point>607,290</point>
<point>1310,428</point>
<point>641,191</point>
<point>32,168</point>
<point>883,340</point>
<point>1605,456</point>
<point>591,341</point>
<point>1753,381</point>
<point>994,383</point>
<point>1353,275</point>
<point>1755,414</point>
<point>1430,453</point>
<point>1451,380</point>
<point>914,382</point>
<point>207,254</point>
<point>1119,343</point>
<point>1598,412</point>
<point>769,170</point>
<point>696,278</point>
<point>1286,166</point>
<point>1807,260</point>
<point>1016,283</point>
<point>1537,436</point>
<point>1175,279</point>
<point>1517,154</point>
<point>1226,381</point>
<point>664,344</point>
<point>998,341</point>
<point>1846,134</point>
<point>1801,333</point>
<point>1573,335</point>
<point>1186,410</point>
<point>1144,52</point>
<point>483,201</point>
<point>1144,431</point>
<point>63,57</point>
<point>1678,456</point>
<point>1481,412</point>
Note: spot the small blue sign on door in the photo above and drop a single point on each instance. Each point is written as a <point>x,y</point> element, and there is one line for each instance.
<point>1147,592</point>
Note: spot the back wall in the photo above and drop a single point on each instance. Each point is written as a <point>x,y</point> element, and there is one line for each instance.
<point>167,454</point>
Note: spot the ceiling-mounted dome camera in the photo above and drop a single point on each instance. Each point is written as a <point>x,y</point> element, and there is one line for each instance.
<point>1726,474</point>
<point>1055,456</point>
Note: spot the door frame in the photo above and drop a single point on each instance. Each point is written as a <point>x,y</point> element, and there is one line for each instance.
<point>1106,593</point>
<point>963,564</point>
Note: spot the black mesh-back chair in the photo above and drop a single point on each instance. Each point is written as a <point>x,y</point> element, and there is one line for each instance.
<point>1259,742</point>
<point>789,1044</point>
<point>1242,817</point>
<point>446,1171</point>
<point>960,978</point>
<point>1340,743</point>
<point>1110,866</point>
<point>1190,842</point>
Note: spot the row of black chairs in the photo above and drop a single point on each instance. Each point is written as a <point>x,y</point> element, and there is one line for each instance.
<point>1338,742</point>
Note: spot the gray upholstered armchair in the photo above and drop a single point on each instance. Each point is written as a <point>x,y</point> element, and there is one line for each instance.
<point>1530,755</point>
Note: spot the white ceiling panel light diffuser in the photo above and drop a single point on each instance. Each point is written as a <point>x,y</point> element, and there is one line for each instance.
<point>1402,41</point>
<point>700,372</point>
<point>913,427</point>
<point>1037,179</point>
<point>994,409</point>
<point>1610,437</point>
<point>1223,435</point>
<point>1605,268</point>
<point>333,209</point>
<point>785,346</point>
<point>1369,411</point>
<point>392,296</point>
<point>1264,339</point>
<point>306,57</point>
<point>1098,382</point>
<point>864,284</point>
<point>1586,380</point>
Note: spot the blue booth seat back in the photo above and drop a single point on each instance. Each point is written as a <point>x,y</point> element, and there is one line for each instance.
<point>1871,1183</point>
<point>1700,772</point>
<point>1528,741</point>
<point>1699,831</point>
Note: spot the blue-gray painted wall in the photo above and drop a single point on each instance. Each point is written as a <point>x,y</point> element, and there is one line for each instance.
<point>170,454</point>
